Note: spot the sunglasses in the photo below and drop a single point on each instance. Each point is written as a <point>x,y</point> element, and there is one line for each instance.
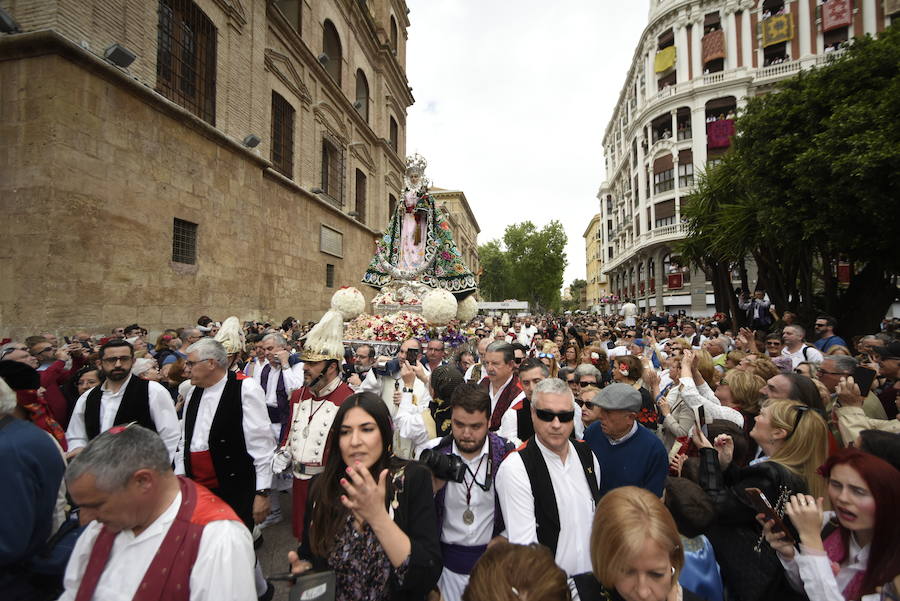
<point>518,360</point>
<point>590,405</point>
<point>586,384</point>
<point>545,355</point>
<point>549,416</point>
<point>801,410</point>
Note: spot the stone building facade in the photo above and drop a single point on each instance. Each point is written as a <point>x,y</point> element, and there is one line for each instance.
<point>463,224</point>
<point>694,67</point>
<point>597,284</point>
<point>135,194</point>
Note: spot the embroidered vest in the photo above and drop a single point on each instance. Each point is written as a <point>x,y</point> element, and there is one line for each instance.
<point>509,394</point>
<point>546,511</point>
<point>169,574</point>
<point>134,407</point>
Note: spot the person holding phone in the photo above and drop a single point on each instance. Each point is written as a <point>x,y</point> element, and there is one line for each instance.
<point>795,441</point>
<point>371,515</point>
<point>409,380</point>
<point>849,552</point>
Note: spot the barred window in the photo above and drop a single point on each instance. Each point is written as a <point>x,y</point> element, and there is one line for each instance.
<point>329,275</point>
<point>361,196</point>
<point>186,58</point>
<point>282,135</point>
<point>333,171</point>
<point>394,134</point>
<point>184,242</point>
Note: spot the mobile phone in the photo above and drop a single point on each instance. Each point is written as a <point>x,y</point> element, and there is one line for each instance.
<point>761,504</point>
<point>701,421</point>
<point>412,355</point>
<point>66,338</point>
<point>863,376</point>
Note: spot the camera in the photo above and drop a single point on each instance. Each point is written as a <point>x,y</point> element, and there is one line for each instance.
<point>412,355</point>
<point>447,467</point>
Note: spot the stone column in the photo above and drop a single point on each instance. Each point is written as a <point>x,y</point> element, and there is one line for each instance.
<point>676,187</point>
<point>698,135</point>
<point>730,39</point>
<point>681,50</point>
<point>870,22</point>
<point>803,32</point>
<point>747,36</point>
<point>660,281</point>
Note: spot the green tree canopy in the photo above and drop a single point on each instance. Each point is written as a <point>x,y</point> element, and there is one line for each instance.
<point>812,179</point>
<point>528,265</point>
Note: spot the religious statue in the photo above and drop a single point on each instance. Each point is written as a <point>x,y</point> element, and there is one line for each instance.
<point>418,248</point>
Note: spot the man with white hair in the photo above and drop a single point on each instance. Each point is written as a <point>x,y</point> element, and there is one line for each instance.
<point>548,488</point>
<point>227,444</point>
<point>278,379</point>
<point>151,534</point>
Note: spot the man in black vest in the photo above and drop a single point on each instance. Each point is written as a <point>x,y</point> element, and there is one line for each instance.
<point>549,486</point>
<point>123,398</point>
<point>227,444</point>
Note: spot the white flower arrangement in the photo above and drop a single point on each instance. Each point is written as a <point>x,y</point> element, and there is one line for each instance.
<point>467,309</point>
<point>439,307</point>
<point>349,301</point>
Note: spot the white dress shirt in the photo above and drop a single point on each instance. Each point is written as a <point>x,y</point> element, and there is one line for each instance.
<point>509,422</point>
<point>813,355</point>
<point>454,530</point>
<point>162,410</point>
<point>293,380</point>
<point>223,569</point>
<point>257,434</point>
<point>573,500</point>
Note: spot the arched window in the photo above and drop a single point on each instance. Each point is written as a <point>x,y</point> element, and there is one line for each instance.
<point>393,34</point>
<point>394,135</point>
<point>362,95</point>
<point>331,47</point>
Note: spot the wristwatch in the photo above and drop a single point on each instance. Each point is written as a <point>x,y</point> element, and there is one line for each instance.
<point>264,492</point>
<point>405,389</point>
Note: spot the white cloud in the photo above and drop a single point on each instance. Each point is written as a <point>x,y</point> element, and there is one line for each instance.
<point>512,98</point>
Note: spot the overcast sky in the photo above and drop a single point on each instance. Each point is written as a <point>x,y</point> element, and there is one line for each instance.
<point>512,98</point>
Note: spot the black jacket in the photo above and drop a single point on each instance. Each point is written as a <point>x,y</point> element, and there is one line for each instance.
<point>416,516</point>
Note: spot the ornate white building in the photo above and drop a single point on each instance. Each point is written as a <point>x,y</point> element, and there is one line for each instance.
<point>695,65</point>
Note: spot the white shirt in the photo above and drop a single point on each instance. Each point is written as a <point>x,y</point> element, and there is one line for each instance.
<point>810,570</point>
<point>223,568</point>
<point>162,410</point>
<point>697,396</point>
<point>617,351</point>
<point>257,433</point>
<point>526,333</point>
<point>509,422</point>
<point>573,500</point>
<point>813,355</point>
<point>293,380</point>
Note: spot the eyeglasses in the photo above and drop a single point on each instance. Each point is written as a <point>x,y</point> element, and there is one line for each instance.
<point>549,416</point>
<point>114,360</point>
<point>518,360</point>
<point>43,350</point>
<point>584,384</point>
<point>821,325</point>
<point>773,343</point>
<point>830,373</point>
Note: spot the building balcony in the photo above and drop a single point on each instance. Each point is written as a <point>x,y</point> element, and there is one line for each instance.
<point>666,233</point>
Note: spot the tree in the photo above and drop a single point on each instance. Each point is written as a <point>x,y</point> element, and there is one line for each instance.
<point>811,180</point>
<point>576,290</point>
<point>528,265</point>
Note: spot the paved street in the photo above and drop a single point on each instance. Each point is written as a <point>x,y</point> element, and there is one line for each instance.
<point>278,540</point>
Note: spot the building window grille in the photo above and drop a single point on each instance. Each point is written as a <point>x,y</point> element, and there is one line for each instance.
<point>329,275</point>
<point>333,171</point>
<point>186,58</point>
<point>184,242</point>
<point>282,136</point>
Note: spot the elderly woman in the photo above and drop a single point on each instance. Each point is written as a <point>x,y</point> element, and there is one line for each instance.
<point>636,551</point>
<point>146,369</point>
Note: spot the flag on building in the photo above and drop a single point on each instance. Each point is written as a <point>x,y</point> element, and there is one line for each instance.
<point>835,14</point>
<point>777,29</point>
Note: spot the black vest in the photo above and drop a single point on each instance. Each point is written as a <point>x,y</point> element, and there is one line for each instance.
<point>228,449</point>
<point>546,511</point>
<point>135,407</point>
<point>525,428</point>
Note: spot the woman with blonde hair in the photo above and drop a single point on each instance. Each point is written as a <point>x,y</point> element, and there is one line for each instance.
<point>508,572</point>
<point>794,442</point>
<point>548,356</point>
<point>636,551</point>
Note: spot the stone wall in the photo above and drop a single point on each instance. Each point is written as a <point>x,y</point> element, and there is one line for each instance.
<point>95,169</point>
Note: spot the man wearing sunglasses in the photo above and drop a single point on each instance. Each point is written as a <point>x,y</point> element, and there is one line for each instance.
<point>549,486</point>
<point>628,454</point>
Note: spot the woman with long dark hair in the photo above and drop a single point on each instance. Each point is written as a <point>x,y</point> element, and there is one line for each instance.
<point>860,536</point>
<point>371,516</point>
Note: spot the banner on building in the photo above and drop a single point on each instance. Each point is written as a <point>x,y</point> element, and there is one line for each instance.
<point>665,59</point>
<point>713,46</point>
<point>835,14</point>
<point>777,29</point>
<point>676,281</point>
<point>891,7</point>
<point>718,133</point>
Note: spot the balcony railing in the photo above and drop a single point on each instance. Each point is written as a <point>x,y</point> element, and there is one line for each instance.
<point>778,70</point>
<point>661,234</point>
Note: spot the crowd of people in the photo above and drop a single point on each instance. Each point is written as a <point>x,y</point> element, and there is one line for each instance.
<point>633,456</point>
